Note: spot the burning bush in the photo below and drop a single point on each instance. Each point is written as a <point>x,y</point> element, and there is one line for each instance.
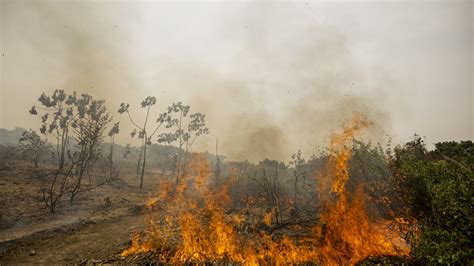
<point>194,221</point>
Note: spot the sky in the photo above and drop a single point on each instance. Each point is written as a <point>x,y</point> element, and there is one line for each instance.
<point>271,77</point>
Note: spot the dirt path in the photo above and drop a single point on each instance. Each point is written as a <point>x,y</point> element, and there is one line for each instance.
<point>89,242</point>
<point>95,228</point>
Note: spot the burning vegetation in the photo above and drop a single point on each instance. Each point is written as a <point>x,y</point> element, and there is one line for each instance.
<point>350,203</point>
<point>201,220</point>
<point>120,167</point>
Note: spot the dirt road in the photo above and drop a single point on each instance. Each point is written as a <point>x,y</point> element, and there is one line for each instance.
<point>94,229</point>
<point>86,242</point>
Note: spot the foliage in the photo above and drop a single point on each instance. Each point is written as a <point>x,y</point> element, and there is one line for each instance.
<point>368,164</point>
<point>63,113</point>
<point>143,133</point>
<point>32,146</point>
<point>89,131</point>
<point>77,123</point>
<point>437,189</point>
<point>186,130</point>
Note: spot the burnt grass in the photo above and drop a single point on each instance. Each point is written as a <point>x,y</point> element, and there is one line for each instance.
<point>94,230</point>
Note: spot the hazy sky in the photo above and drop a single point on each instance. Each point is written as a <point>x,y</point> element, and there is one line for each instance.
<point>272,78</point>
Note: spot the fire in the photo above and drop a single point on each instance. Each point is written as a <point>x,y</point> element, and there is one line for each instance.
<point>347,233</point>
<point>136,247</point>
<point>195,225</point>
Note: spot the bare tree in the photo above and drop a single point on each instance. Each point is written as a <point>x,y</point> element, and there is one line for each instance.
<point>297,162</point>
<point>272,192</point>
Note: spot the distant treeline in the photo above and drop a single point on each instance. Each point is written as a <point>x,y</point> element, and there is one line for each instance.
<point>158,153</point>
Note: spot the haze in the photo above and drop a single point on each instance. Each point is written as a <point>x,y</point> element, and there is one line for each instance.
<point>272,78</point>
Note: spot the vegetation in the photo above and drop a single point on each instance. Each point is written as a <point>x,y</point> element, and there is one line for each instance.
<point>143,133</point>
<point>426,193</point>
<point>437,189</point>
<point>185,132</point>
<point>32,146</point>
<point>77,124</point>
<point>112,133</point>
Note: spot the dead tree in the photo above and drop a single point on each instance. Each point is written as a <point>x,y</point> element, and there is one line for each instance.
<point>272,193</point>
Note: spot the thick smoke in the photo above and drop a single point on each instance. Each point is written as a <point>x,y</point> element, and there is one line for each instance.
<point>268,85</point>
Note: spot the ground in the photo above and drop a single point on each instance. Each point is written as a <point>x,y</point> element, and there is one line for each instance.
<point>94,229</point>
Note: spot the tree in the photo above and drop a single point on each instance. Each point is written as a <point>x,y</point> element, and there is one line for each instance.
<point>60,112</point>
<point>112,133</point>
<point>369,166</point>
<point>217,167</point>
<point>297,162</point>
<point>89,130</point>
<point>32,146</point>
<point>56,188</point>
<point>78,124</point>
<point>143,133</point>
<point>436,188</point>
<point>187,130</point>
<point>271,190</point>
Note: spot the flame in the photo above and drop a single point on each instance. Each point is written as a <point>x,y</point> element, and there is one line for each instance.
<point>137,246</point>
<point>346,232</point>
<point>267,218</point>
<point>194,224</point>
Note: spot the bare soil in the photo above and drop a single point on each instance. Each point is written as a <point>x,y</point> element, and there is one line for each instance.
<point>96,228</point>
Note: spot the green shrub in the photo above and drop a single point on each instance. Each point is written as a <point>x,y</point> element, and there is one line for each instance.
<point>438,189</point>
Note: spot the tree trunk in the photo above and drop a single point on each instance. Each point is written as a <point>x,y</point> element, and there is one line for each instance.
<point>184,163</point>
<point>111,156</point>
<point>63,148</point>
<point>143,166</point>
<point>178,167</point>
<point>163,169</point>
<point>174,164</point>
<point>180,147</point>
<point>139,162</point>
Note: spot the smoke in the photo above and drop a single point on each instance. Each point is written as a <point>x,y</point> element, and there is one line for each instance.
<point>269,85</point>
<point>291,89</point>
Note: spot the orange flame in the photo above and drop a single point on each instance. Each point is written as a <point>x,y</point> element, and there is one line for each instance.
<point>346,232</point>
<point>195,225</point>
